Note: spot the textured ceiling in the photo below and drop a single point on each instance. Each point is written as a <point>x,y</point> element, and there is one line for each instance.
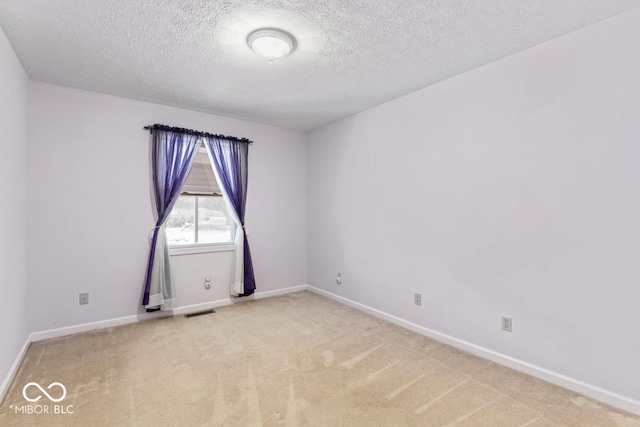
<point>351,55</point>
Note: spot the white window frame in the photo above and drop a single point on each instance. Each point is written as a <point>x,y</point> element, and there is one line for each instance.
<point>201,248</point>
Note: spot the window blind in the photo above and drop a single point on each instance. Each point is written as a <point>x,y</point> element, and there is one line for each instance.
<point>201,179</point>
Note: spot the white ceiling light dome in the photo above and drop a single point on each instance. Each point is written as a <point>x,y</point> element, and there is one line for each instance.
<point>271,43</point>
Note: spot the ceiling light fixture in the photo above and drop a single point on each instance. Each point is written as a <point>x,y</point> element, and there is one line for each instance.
<point>271,43</point>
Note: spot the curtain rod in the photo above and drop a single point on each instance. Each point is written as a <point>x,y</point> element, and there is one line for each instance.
<point>150,128</point>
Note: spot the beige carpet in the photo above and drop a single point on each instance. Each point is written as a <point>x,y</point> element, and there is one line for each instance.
<point>296,360</point>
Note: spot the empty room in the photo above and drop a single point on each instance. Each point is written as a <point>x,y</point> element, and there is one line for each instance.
<point>332,213</point>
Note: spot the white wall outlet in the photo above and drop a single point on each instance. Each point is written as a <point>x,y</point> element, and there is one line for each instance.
<point>84,298</point>
<point>506,323</point>
<point>207,282</point>
<point>339,279</point>
<point>417,299</point>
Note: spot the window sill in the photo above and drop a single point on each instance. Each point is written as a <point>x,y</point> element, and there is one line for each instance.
<point>203,249</point>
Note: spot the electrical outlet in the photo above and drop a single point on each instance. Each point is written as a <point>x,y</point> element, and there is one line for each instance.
<point>417,299</point>
<point>506,323</point>
<point>84,298</point>
<point>207,282</point>
<point>339,279</point>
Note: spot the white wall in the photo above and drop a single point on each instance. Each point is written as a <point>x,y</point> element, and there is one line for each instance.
<point>14,166</point>
<point>190,270</point>
<point>91,213</point>
<point>512,189</point>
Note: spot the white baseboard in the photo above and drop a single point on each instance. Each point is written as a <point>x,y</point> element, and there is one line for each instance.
<point>118,321</point>
<point>613,399</point>
<point>597,393</point>
<point>194,308</point>
<point>6,383</point>
<point>233,300</point>
<point>101,324</point>
<point>276,292</point>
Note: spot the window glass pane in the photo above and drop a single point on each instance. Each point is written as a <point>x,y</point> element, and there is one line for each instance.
<point>214,223</point>
<point>180,224</point>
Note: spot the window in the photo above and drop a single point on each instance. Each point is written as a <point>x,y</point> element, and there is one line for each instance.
<point>200,216</point>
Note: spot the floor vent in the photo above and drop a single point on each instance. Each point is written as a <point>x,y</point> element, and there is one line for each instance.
<point>200,313</point>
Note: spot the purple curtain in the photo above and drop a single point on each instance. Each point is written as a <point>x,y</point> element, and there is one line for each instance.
<point>230,160</point>
<point>172,155</point>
